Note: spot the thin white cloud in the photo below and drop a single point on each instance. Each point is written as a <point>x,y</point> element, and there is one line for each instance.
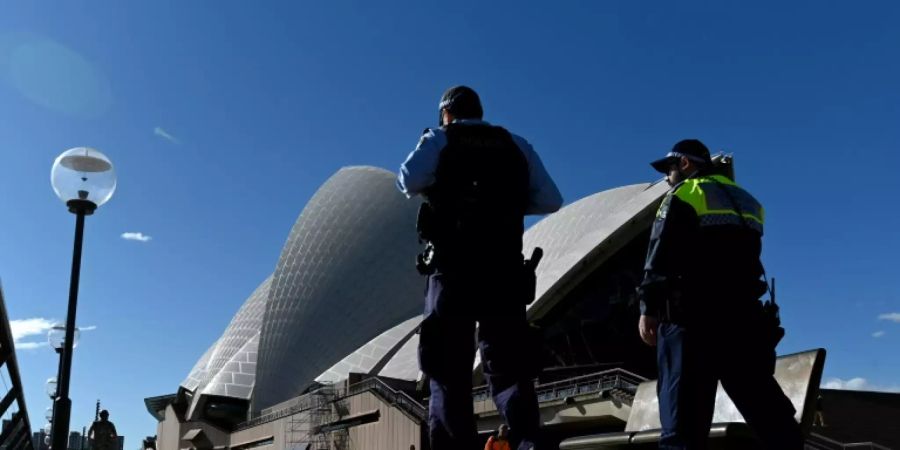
<point>30,345</point>
<point>159,131</point>
<point>29,334</point>
<point>30,328</point>
<point>893,317</point>
<point>22,328</point>
<point>878,334</point>
<point>136,236</point>
<point>857,384</point>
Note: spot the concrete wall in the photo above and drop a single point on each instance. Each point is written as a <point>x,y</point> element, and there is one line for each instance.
<point>394,430</point>
<point>170,431</point>
<point>260,433</point>
<point>167,436</point>
<point>218,438</point>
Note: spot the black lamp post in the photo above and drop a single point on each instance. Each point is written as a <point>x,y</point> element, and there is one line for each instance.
<point>56,337</point>
<point>84,179</point>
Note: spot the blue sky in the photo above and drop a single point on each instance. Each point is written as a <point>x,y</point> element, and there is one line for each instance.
<point>224,117</point>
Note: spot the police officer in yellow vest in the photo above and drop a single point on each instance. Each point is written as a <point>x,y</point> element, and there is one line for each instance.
<point>700,306</point>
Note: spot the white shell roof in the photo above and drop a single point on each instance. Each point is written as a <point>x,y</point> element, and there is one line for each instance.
<point>405,364</point>
<point>368,357</point>
<point>346,274</point>
<point>238,375</point>
<point>228,368</point>
<point>198,374</point>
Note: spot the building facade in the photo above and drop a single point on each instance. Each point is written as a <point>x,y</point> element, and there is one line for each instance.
<point>322,355</point>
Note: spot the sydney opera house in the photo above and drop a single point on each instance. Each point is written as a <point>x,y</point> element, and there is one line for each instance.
<point>322,354</point>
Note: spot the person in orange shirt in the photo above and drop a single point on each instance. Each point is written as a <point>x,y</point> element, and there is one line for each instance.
<point>499,442</point>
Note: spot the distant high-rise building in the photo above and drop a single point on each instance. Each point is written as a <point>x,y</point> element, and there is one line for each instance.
<point>38,440</point>
<point>75,441</point>
<point>120,440</point>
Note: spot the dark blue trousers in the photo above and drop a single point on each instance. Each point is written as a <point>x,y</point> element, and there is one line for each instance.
<point>693,358</point>
<point>447,343</point>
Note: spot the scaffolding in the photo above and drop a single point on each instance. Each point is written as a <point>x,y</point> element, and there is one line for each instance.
<point>304,430</point>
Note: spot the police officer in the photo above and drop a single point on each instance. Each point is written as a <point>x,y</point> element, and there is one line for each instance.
<point>479,181</point>
<point>102,434</point>
<point>700,306</point>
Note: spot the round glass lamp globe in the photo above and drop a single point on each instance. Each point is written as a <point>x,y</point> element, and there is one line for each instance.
<point>48,414</point>
<point>47,439</point>
<point>47,428</point>
<point>57,336</point>
<point>83,173</point>
<point>51,387</point>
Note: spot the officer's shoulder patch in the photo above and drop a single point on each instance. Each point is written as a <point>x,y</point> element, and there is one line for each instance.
<point>664,207</point>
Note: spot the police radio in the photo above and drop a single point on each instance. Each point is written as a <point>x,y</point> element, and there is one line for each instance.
<point>772,317</point>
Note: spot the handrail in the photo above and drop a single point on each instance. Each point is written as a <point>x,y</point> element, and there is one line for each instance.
<point>304,402</point>
<point>399,398</point>
<point>308,401</point>
<point>625,375</point>
<point>584,384</point>
<point>17,435</point>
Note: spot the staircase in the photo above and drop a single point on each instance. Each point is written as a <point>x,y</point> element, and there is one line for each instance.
<point>398,399</point>
<point>623,395</point>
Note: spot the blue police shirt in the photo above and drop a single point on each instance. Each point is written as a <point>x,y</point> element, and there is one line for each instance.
<point>417,172</point>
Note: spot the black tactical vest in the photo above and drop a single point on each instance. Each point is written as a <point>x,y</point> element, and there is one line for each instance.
<point>479,195</point>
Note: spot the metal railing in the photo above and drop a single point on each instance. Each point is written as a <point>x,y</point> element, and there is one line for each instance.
<point>303,403</point>
<point>396,398</point>
<point>307,401</point>
<point>16,431</point>
<point>606,380</point>
<point>817,441</point>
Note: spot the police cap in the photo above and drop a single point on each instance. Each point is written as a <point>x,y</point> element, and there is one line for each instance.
<point>691,149</point>
<point>462,102</point>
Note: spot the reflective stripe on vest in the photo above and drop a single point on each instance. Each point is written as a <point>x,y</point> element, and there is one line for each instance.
<point>711,197</point>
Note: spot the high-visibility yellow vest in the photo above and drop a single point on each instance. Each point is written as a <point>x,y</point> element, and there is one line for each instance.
<point>717,200</point>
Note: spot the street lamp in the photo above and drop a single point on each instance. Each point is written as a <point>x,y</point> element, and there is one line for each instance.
<point>51,387</point>
<point>84,179</point>
<point>56,337</point>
